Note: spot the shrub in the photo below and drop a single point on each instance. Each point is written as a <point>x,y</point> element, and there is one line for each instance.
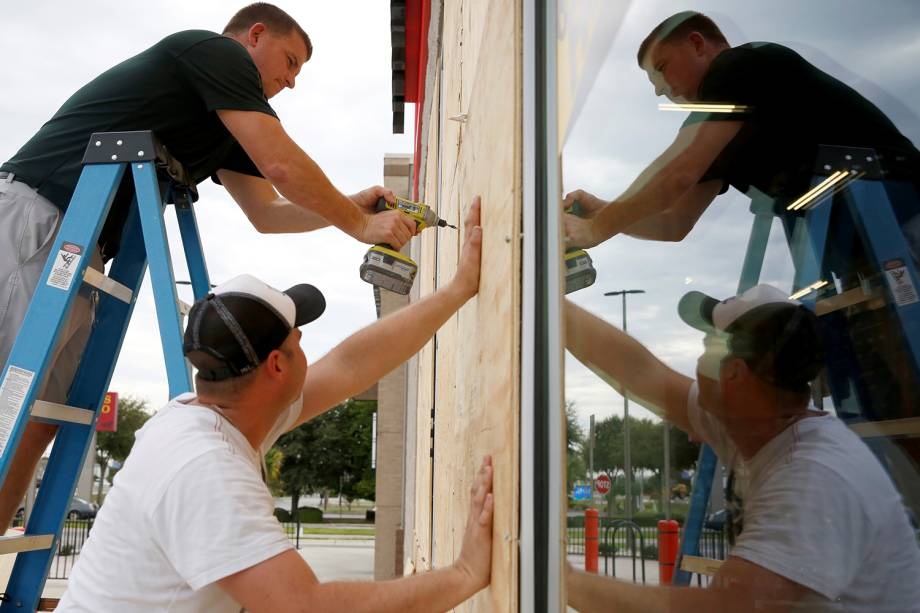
<point>283,515</point>
<point>310,515</point>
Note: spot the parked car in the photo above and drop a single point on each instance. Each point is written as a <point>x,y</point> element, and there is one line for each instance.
<point>79,509</point>
<point>716,520</point>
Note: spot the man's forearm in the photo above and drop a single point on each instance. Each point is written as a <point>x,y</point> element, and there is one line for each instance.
<point>662,190</point>
<point>622,360</point>
<point>306,185</point>
<point>666,180</point>
<point>293,173</point>
<point>435,591</point>
<point>284,217</point>
<point>589,593</point>
<point>369,354</point>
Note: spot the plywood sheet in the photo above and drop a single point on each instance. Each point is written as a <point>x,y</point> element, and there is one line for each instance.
<point>420,549</point>
<point>476,371</point>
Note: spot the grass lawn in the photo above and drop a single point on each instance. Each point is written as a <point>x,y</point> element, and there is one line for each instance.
<point>335,531</point>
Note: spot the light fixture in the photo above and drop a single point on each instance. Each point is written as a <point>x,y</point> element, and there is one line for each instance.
<point>835,181</point>
<point>702,107</point>
<point>807,290</point>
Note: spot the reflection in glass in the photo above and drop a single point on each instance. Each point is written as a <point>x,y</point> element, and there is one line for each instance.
<point>807,383</point>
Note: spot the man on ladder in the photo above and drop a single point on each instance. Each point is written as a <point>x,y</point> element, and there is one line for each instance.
<point>205,96</point>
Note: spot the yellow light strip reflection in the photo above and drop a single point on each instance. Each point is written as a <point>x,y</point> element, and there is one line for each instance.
<point>801,200</point>
<point>817,191</point>
<point>704,108</point>
<point>807,290</point>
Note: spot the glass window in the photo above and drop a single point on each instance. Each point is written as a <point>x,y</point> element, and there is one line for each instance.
<point>741,195</point>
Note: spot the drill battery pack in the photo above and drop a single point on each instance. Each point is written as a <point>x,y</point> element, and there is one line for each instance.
<point>389,269</point>
<point>579,270</point>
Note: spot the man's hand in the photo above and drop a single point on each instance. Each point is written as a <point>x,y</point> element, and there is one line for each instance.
<point>588,204</point>
<point>475,561</point>
<point>467,278</point>
<point>580,232</point>
<point>581,208</point>
<point>367,199</point>
<point>390,227</point>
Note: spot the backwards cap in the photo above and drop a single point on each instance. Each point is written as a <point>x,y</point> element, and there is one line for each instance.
<point>778,337</point>
<point>234,328</point>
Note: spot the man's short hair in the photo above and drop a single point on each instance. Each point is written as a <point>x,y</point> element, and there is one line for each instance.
<point>276,20</point>
<point>678,26</point>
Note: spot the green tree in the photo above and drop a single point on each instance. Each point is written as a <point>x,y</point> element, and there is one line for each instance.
<point>273,460</point>
<point>115,446</point>
<point>331,452</point>
<point>608,445</point>
<point>355,426</point>
<point>575,447</point>
<point>646,449</point>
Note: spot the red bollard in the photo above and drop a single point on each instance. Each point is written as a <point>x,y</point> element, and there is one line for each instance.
<point>591,534</point>
<point>668,531</point>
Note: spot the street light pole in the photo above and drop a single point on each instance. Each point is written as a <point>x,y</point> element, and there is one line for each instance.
<point>627,457</point>
<point>591,453</point>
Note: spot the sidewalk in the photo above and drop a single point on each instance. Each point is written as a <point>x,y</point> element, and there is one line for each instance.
<point>333,558</point>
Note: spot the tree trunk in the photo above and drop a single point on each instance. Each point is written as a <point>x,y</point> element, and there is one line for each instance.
<point>103,470</point>
<point>295,498</point>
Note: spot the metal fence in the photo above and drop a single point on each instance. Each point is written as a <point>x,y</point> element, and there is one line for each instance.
<point>76,531</point>
<point>619,538</point>
<point>73,535</point>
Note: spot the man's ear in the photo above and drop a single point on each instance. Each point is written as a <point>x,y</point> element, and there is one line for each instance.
<point>273,363</point>
<point>734,369</point>
<point>698,41</point>
<point>255,33</point>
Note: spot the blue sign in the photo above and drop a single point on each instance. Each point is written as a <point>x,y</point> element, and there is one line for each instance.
<point>582,492</point>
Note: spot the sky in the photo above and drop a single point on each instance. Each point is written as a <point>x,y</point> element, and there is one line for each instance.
<point>339,112</point>
<point>619,131</point>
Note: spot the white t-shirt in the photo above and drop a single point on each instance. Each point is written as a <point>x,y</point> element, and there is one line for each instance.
<point>188,508</point>
<point>821,511</point>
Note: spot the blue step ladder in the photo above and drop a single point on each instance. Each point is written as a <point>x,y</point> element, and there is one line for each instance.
<point>157,180</point>
<point>857,175</point>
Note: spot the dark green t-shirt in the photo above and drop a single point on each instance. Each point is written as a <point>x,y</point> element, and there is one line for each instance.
<point>172,88</point>
<point>794,109</point>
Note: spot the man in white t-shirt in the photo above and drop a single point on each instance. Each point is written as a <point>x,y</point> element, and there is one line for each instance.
<point>188,524</point>
<point>824,527</point>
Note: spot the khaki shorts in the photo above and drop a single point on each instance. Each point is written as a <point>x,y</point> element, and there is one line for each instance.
<point>28,226</point>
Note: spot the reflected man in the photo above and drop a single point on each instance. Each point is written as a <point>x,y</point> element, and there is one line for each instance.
<point>824,526</point>
<point>789,110</point>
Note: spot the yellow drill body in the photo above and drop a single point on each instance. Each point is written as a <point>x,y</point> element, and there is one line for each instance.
<point>386,267</point>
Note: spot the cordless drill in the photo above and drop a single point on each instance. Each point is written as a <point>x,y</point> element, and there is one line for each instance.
<point>385,266</point>
<point>579,269</point>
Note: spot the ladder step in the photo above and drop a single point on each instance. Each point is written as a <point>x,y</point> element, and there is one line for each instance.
<point>26,542</point>
<point>61,412</point>
<point>107,285</point>
<point>700,566</point>
<point>907,427</point>
<point>48,604</point>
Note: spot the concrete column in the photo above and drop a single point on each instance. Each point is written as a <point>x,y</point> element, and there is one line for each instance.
<point>391,417</point>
